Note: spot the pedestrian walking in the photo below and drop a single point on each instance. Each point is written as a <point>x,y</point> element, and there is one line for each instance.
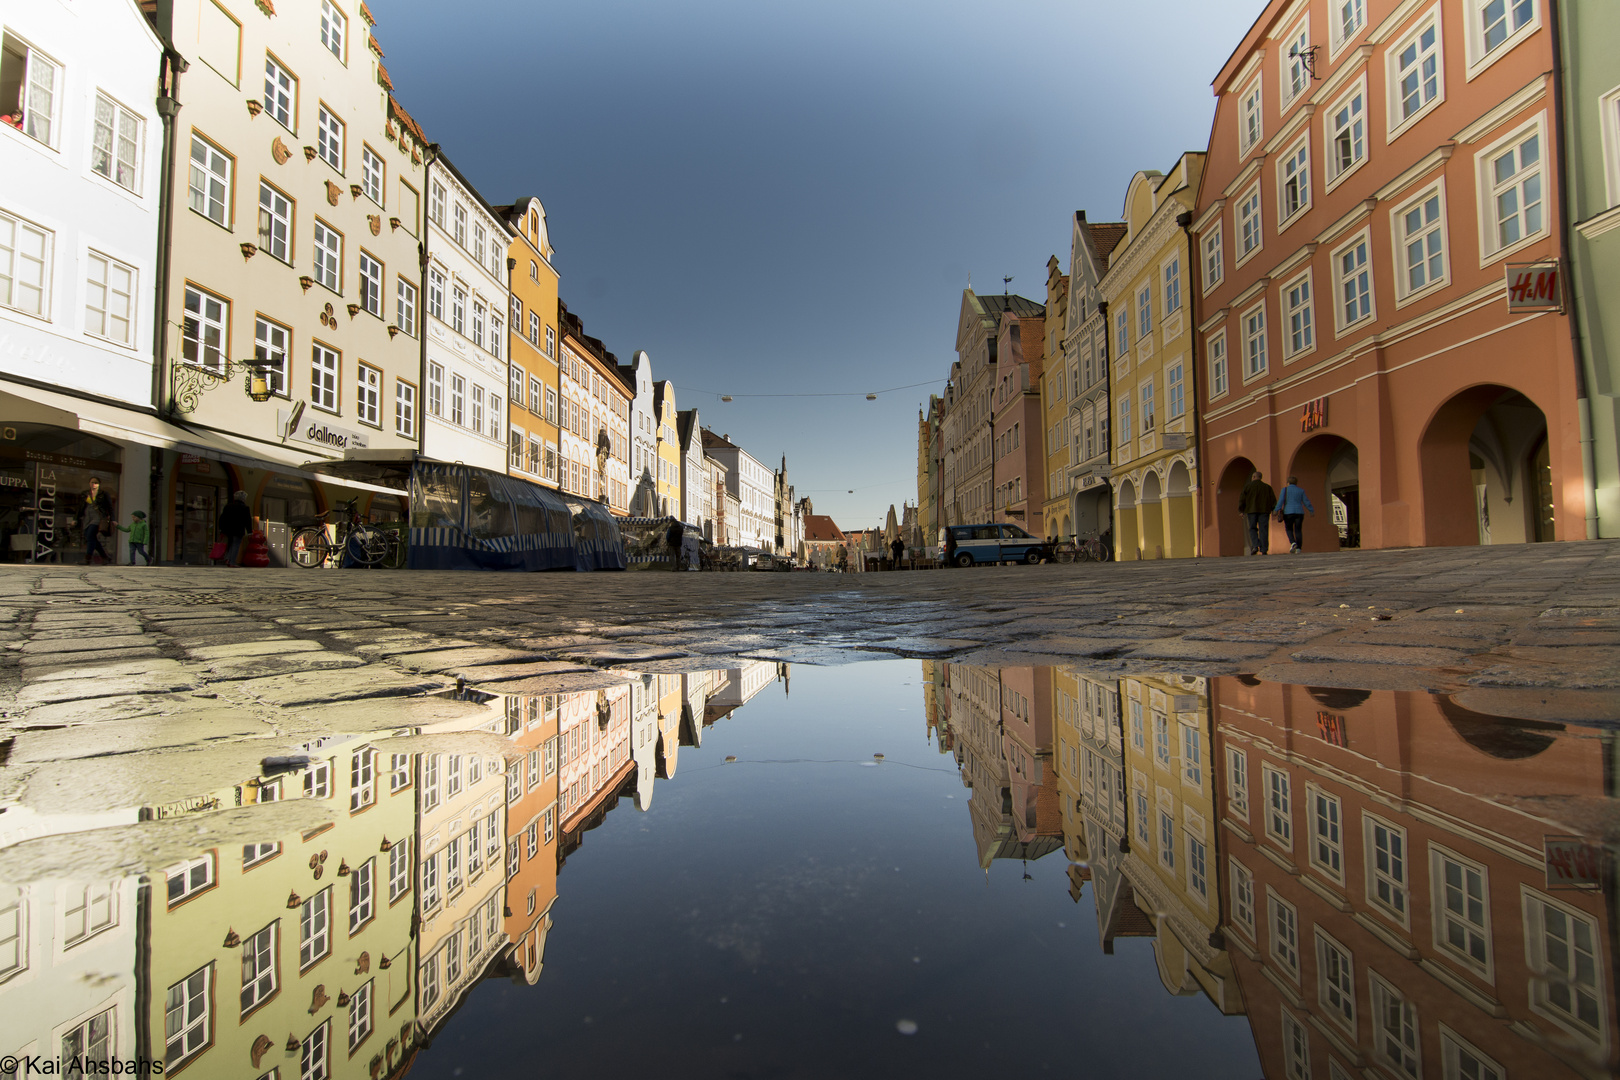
<point>98,519</point>
<point>1293,504</point>
<point>1256,503</point>
<point>897,548</point>
<point>139,532</point>
<point>235,522</point>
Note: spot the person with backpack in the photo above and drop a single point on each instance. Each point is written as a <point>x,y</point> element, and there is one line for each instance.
<point>1293,504</point>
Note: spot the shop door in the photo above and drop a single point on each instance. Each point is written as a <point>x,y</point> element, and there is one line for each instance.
<point>199,515</point>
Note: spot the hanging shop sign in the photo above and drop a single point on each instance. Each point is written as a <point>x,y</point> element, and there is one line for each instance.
<point>1573,863</point>
<point>1314,415</point>
<point>1534,287</point>
<point>311,430</point>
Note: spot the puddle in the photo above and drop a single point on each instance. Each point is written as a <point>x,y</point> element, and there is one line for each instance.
<point>888,868</point>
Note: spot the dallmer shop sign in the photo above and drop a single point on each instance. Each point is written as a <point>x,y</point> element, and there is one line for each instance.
<point>312,429</point>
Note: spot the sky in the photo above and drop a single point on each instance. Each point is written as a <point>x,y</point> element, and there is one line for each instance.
<point>784,200</point>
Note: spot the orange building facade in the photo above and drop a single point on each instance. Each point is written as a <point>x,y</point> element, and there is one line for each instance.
<point>531,827</point>
<point>1377,170</point>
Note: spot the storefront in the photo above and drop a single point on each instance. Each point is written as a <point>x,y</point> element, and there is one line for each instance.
<point>45,476</point>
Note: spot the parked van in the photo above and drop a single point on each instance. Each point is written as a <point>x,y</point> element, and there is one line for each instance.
<point>965,545</point>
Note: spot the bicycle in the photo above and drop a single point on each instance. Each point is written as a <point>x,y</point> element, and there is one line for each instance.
<point>365,543</point>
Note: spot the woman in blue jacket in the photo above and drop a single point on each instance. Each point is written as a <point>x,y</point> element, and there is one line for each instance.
<point>1293,504</point>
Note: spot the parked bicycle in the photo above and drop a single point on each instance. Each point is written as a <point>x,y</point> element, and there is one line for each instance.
<point>366,544</point>
<point>1092,550</point>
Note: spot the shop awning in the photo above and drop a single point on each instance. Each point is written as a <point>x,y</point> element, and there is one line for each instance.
<point>252,454</point>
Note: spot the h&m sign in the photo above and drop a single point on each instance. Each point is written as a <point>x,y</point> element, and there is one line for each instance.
<point>1534,287</point>
<point>1313,415</point>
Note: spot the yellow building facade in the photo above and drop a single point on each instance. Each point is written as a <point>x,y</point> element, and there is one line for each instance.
<point>1055,405</point>
<point>668,480</point>
<point>1148,289</point>
<point>532,432</point>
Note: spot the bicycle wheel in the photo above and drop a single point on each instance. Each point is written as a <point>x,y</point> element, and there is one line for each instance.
<point>366,545</point>
<point>310,548</point>
<point>394,551</point>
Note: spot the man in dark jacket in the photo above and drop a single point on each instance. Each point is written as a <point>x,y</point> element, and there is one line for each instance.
<point>235,522</point>
<point>1256,503</point>
<point>897,548</point>
<point>98,519</point>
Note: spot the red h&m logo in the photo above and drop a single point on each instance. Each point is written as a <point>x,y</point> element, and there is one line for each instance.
<point>1533,287</point>
<point>1331,728</point>
<point>1313,415</point>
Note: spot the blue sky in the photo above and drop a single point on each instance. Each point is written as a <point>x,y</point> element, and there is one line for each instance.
<point>781,199</point>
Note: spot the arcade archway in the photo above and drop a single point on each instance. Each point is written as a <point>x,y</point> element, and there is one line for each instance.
<point>1230,527</point>
<point>1328,467</point>
<point>1126,542</point>
<point>1181,514</point>
<point>1487,474</point>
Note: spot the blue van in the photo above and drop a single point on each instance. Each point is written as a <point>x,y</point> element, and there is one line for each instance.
<point>966,545</point>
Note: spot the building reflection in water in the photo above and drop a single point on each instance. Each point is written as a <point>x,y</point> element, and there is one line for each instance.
<point>1362,874</point>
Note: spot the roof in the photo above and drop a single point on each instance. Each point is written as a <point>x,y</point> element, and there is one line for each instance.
<point>1018,305</point>
<point>1106,235</point>
<point>713,441</point>
<point>821,527</point>
<point>405,119</point>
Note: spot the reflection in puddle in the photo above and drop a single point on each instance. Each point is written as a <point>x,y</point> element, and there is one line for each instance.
<point>1376,882</point>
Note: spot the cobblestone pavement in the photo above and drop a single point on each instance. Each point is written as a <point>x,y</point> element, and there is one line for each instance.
<point>171,655</point>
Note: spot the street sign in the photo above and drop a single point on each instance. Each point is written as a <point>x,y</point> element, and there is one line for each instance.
<point>1534,287</point>
<point>1573,863</point>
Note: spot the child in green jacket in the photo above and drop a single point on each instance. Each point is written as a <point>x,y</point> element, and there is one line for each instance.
<point>138,531</point>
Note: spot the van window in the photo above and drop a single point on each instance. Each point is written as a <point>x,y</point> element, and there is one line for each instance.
<point>1013,530</point>
<point>984,532</point>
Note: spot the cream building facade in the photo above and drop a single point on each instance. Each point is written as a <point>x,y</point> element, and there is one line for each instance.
<point>1085,347</point>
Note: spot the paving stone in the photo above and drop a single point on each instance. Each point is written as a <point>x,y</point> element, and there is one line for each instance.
<point>1349,652</point>
<point>315,687</point>
<point>1182,649</point>
<point>446,659</point>
<point>137,734</point>
<point>32,663</point>
<point>90,643</point>
<point>46,692</point>
<point>255,647</point>
<point>234,668</point>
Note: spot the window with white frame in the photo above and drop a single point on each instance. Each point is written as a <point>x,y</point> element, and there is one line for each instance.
<point>210,183</point>
<point>1248,221</point>
<point>1462,1060</point>
<point>89,1040</point>
<point>1279,805</point>
<point>371,284</point>
<point>1237,783</point>
<point>314,929</point>
<point>109,298</point>
<point>534,329</point>
<point>115,150</point>
<point>458,309</point>
<point>1354,273</point>
<point>1348,17</point>
<point>478,426</point>
<point>372,174</point>
<point>1251,122</point>
<point>1296,1048</point>
<point>1242,888</point>
<point>537,396</point>
<point>1138,739</point>
<point>368,387</point>
<point>1172,288</point>
<point>360,1021</point>
<point>1462,924</point>
<point>1347,133</point>
<point>1386,867</point>
<point>1143,826</point>
<point>405,307</point>
<point>87,910</point>
<point>1122,334</point>
<point>329,138</point>
<point>1512,190</point>
<point>1216,351</point>
<point>1167,839</point>
<point>333,25</point>
<point>1496,26</point>
<point>436,389</point>
<point>318,780</point>
<point>1150,414</point>
<point>436,204</point>
<point>1395,1029</point>
<point>1192,755</point>
<point>1284,934</point>
<point>362,895</point>
<point>1294,181</point>
<point>1562,947</point>
<point>32,84</point>
<point>1420,237</point>
<point>1327,833</point>
<point>478,241</point>
<point>458,400</point>
<point>280,92</point>
<point>186,1022</point>
<point>495,331</point>
<point>496,418</point>
<point>1299,310</point>
<point>1197,866</point>
<point>328,256</point>
<point>551,405</point>
<point>1214,262</point>
<point>1175,390</point>
<point>458,228</point>
<point>399,869</point>
<point>1296,77</point>
<point>203,331</point>
<point>1416,72</point>
<point>25,266</point>
<point>551,341</point>
<point>270,343</point>
<point>324,364</point>
<point>1335,981</point>
<point>315,1052</point>
<point>1254,342</point>
<point>1125,420</point>
<point>275,223</point>
<point>1144,313</point>
<point>258,968</point>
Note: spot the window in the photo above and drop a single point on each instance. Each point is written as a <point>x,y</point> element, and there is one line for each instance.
<point>1395,1029</point>
<point>1415,65</point>
<point>333,23</point>
<point>1355,283</point>
<point>1513,190</point>
<point>1462,1060</point>
<point>1213,259</point>
<point>258,968</point>
<point>1349,16</point>
<point>1420,235</point>
<point>478,241</point>
<point>495,341</point>
<point>371,284</point>
<point>116,146</point>
<point>1167,839</point>
<point>1125,435</point>
<point>478,426</point>
<point>362,889</point>
<point>328,256</point>
<point>1254,342</point>
<point>1149,408</point>
<point>1175,391</point>
<point>313,1054</point>
<point>405,307</point>
<point>436,293</point>
<point>1299,310</point>
<point>109,299</point>
<point>458,399</point>
<point>30,80</point>
<point>1197,866</point>
<point>359,1016</point>
<point>1142,825</point>
<point>459,224</point>
<point>275,223</point>
<point>1327,834</point>
<point>478,323</point>
<point>1296,1048</point>
<point>1237,783</point>
<point>1296,78</point>
<point>203,332</point>
<point>534,329</point>
<point>372,174</point>
<point>1347,134</point>
<point>496,420</point>
<point>1494,26</point>
<point>254,854</point>
<point>1279,807</point>
<point>538,395</point>
<point>280,88</point>
<point>89,1041</point>
<point>270,348</point>
<point>551,405</point>
<point>1561,946</point>
<point>1294,181</point>
<point>1242,896</point>
<point>1251,123</point>
<point>1248,219</point>
<point>1386,864</point>
<point>1462,909</point>
<point>210,181</point>
<point>428,979</point>
<point>87,911</point>
<point>315,928</point>
<point>1122,334</point>
<point>185,1016</point>
<point>1285,934</point>
<point>1172,295</point>
<point>329,139</point>
<point>551,342</point>
<point>323,394</point>
<point>399,869</point>
<point>1217,365</point>
<point>1192,755</point>
<point>458,309</point>
<point>1144,313</point>
<point>1335,982</point>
